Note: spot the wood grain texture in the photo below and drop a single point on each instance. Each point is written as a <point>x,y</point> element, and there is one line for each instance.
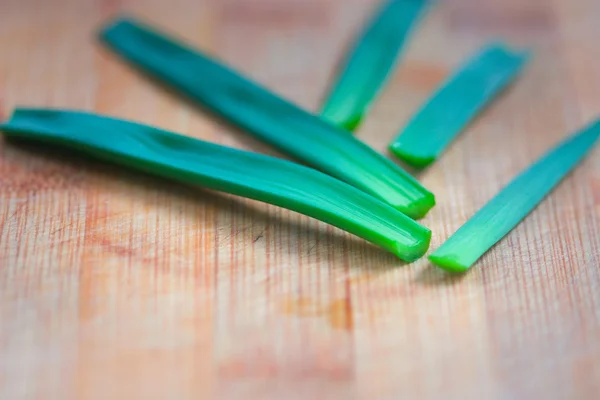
<point>118,285</point>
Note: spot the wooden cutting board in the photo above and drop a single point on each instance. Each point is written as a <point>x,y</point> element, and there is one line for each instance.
<point>116,285</point>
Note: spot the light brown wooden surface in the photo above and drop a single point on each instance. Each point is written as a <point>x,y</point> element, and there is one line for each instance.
<point>115,285</point>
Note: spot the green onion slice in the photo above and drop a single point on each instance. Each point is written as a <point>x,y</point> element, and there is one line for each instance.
<point>302,135</point>
<point>456,103</point>
<point>513,203</point>
<point>256,176</point>
<point>371,61</point>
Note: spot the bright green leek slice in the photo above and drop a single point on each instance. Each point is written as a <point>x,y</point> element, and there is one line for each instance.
<point>371,61</point>
<point>302,135</point>
<point>513,203</point>
<point>456,103</point>
<point>256,176</point>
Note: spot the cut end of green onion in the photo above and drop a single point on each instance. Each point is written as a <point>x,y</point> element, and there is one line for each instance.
<point>352,124</point>
<point>411,158</point>
<point>448,264</point>
<point>420,208</point>
<point>114,27</point>
<point>417,251</point>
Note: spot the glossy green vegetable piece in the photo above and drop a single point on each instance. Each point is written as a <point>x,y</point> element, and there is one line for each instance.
<point>513,203</point>
<point>456,103</point>
<point>371,61</point>
<point>238,172</point>
<point>304,136</point>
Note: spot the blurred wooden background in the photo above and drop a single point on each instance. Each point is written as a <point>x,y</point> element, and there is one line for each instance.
<point>115,285</point>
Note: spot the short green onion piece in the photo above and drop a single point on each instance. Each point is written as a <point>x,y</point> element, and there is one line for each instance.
<point>456,103</point>
<point>304,136</point>
<point>513,203</point>
<point>256,176</point>
<point>371,60</point>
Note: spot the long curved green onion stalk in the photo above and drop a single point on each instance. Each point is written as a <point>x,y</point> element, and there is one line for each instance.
<point>256,176</point>
<point>302,135</point>
<point>371,61</point>
<point>514,202</point>
<point>456,103</point>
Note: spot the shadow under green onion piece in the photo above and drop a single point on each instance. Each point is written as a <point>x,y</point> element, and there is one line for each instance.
<point>371,61</point>
<point>268,117</point>
<point>514,202</point>
<point>256,176</point>
<point>431,130</point>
